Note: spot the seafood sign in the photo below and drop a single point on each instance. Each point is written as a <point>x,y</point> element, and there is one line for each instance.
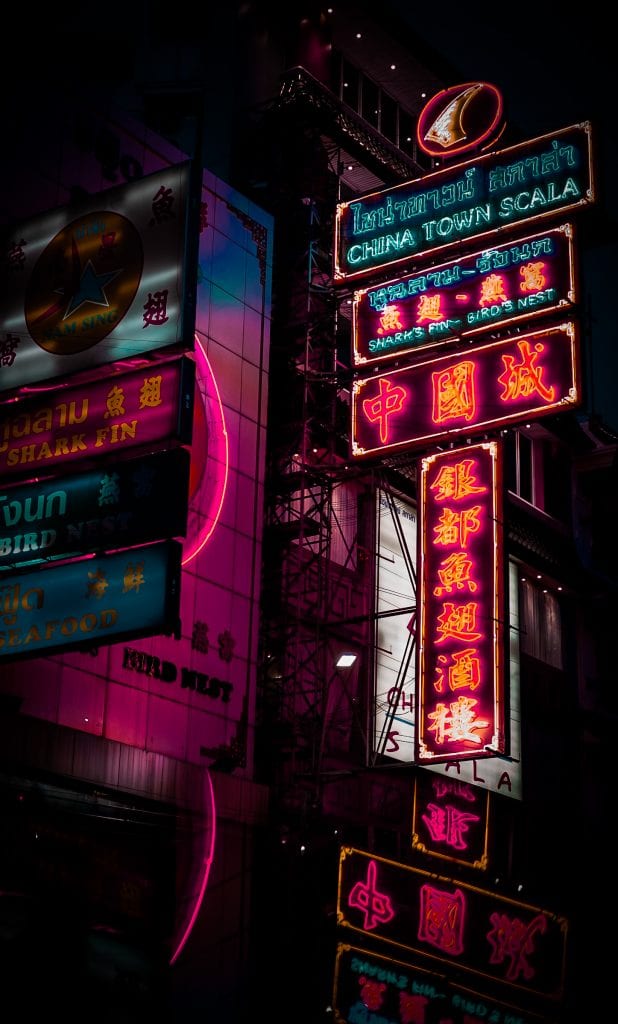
<point>108,416</point>
<point>91,602</point>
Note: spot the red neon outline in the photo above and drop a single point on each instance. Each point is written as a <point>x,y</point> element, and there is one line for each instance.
<point>211,518</point>
<point>478,140</point>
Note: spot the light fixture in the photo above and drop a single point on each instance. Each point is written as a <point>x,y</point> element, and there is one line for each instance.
<point>393,67</point>
<point>345,660</point>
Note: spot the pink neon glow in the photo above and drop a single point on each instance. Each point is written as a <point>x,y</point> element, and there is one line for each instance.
<point>205,868</point>
<point>375,905</point>
<point>215,471</point>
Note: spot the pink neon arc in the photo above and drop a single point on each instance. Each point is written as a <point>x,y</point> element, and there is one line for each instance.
<point>205,866</point>
<point>212,475</point>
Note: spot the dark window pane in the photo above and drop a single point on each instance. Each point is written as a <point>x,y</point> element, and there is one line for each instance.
<point>388,117</point>
<point>370,101</point>
<point>350,79</point>
<point>525,467</point>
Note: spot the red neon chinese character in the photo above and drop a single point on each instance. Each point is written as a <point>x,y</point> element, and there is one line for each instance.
<point>371,992</point>
<point>453,393</point>
<point>429,309</point>
<point>389,320</point>
<point>464,673</point>
<point>412,1008</point>
<point>456,481</point>
<point>511,938</point>
<point>454,574</point>
<point>389,401</point>
<point>442,919</point>
<point>525,377</point>
<point>454,527</point>
<point>376,906</point>
<point>458,623</point>
<point>533,277</point>
<point>492,290</point>
<point>460,724</point>
<point>448,824</point>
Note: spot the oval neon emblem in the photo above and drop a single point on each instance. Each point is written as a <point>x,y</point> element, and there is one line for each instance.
<point>461,118</point>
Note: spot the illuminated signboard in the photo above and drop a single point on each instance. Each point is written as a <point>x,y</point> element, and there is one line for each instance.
<point>107,416</point>
<point>501,382</point>
<point>367,984</point>
<point>539,178</point>
<point>91,602</point>
<point>96,282</point>
<point>450,921</point>
<point>450,819</point>
<point>486,290</point>
<point>120,504</point>
<point>461,614</point>
<point>459,119</point>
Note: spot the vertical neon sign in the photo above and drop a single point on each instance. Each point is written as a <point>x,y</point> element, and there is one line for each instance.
<point>460,698</point>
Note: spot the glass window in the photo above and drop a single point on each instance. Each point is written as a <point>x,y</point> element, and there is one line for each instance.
<point>350,85</point>
<point>388,117</point>
<point>370,101</point>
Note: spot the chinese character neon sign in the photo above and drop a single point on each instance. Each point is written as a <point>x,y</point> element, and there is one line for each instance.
<point>510,942</point>
<point>489,385</point>
<point>486,290</point>
<point>539,178</point>
<point>460,700</point>
<point>450,819</point>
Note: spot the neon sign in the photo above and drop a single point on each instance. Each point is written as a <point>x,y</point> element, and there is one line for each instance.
<point>513,943</point>
<point>486,290</point>
<point>539,178</point>
<point>489,385</point>
<point>403,993</point>
<point>460,118</point>
<point>118,505</point>
<point>450,819</point>
<point>91,602</point>
<point>460,699</point>
<point>110,415</point>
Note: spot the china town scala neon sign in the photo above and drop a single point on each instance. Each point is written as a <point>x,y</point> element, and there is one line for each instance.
<point>460,687</point>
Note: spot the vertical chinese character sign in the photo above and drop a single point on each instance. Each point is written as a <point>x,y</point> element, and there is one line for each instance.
<point>460,684</point>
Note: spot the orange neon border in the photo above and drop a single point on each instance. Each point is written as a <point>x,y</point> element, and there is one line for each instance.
<point>496,745</point>
<point>565,229</point>
<point>569,328</point>
<point>342,922</point>
<point>340,275</point>
<point>482,863</point>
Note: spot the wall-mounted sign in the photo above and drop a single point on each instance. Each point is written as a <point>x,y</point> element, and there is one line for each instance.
<point>461,118</point>
<point>96,282</point>
<point>481,198</point>
<point>457,924</point>
<point>461,605</point>
<point>91,602</point>
<point>121,504</point>
<point>107,416</point>
<point>371,989</point>
<point>523,377</point>
<point>484,291</point>
<point>450,819</point>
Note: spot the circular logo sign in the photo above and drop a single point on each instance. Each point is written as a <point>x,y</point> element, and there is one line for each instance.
<point>83,283</point>
<point>461,118</point>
